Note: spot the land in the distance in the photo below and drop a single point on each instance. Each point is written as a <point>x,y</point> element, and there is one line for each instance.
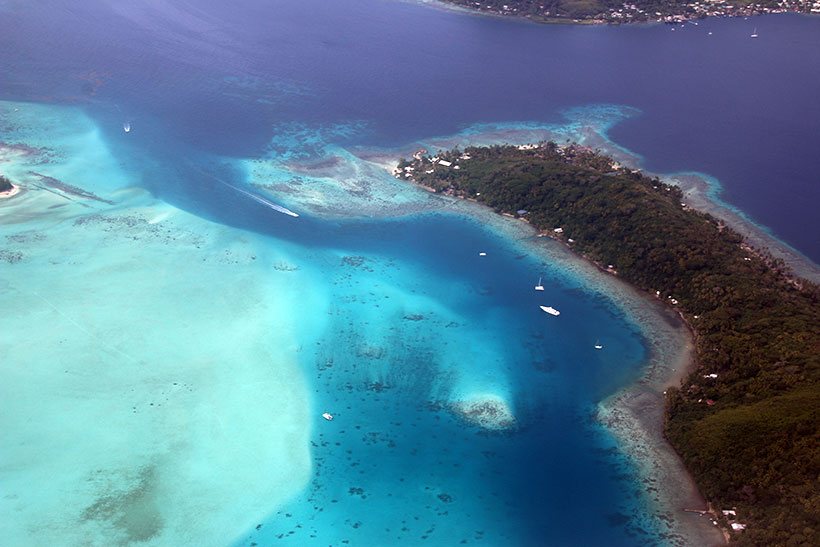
<point>618,11</point>
<point>745,418</point>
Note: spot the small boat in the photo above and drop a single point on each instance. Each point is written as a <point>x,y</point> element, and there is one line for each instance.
<point>482,254</point>
<point>126,127</point>
<point>550,310</point>
<point>754,34</point>
<point>539,287</point>
<point>327,416</point>
<point>598,345</point>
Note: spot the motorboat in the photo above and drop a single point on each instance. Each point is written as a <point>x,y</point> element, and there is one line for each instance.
<point>550,310</point>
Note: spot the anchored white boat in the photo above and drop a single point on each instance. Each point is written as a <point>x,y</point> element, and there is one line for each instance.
<point>539,287</point>
<point>327,416</point>
<point>550,310</point>
<point>598,345</point>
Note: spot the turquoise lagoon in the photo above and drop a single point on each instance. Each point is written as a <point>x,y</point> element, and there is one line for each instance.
<point>170,372</point>
<point>172,340</point>
<point>165,374</point>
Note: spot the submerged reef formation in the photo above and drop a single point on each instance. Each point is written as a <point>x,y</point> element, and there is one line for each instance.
<point>489,412</point>
<point>745,418</point>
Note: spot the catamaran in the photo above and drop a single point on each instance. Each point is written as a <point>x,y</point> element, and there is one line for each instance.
<point>539,287</point>
<point>550,310</point>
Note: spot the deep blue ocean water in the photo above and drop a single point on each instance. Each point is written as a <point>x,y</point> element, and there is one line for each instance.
<point>739,109</point>
<point>199,81</point>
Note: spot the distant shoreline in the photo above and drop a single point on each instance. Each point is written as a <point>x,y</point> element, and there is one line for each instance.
<point>626,14</point>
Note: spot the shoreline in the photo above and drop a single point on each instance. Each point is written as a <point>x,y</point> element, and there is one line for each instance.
<point>8,194</point>
<point>633,415</point>
<point>702,194</point>
<point>668,249</point>
<point>700,190</point>
<point>618,17</point>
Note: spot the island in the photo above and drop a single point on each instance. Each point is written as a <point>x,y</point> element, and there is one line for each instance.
<point>637,11</point>
<point>7,189</point>
<point>5,184</point>
<point>745,419</point>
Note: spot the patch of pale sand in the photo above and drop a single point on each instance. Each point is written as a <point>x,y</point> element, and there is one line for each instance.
<point>39,208</point>
<point>150,391</point>
<point>13,191</point>
<point>486,410</point>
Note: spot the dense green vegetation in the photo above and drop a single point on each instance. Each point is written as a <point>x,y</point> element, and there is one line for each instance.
<point>5,184</point>
<point>749,435</point>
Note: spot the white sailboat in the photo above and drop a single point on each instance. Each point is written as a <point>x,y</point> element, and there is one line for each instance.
<point>598,344</point>
<point>550,310</point>
<point>539,287</point>
<point>126,127</point>
<point>754,34</point>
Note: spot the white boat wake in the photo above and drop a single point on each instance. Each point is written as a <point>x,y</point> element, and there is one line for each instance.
<point>255,197</point>
<point>262,200</point>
